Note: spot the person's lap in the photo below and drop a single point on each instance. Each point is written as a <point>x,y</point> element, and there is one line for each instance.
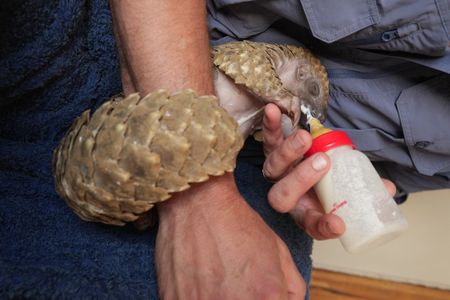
<point>47,251</point>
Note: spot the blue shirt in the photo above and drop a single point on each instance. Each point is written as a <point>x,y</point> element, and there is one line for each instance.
<point>388,64</point>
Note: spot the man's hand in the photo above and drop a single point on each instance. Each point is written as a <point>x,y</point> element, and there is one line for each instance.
<point>292,191</point>
<point>211,247</point>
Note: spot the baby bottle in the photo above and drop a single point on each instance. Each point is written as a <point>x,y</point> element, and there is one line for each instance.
<point>353,190</point>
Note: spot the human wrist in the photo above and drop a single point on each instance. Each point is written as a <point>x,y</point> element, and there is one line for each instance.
<point>216,194</point>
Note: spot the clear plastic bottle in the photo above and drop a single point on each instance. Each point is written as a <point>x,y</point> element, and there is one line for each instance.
<point>353,190</point>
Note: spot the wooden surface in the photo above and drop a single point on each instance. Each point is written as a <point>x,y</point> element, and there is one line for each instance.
<point>326,285</point>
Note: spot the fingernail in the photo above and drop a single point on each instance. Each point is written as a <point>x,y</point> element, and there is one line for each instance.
<point>319,162</point>
<point>297,142</point>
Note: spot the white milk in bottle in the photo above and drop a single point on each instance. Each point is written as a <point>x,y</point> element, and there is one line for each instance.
<point>353,190</point>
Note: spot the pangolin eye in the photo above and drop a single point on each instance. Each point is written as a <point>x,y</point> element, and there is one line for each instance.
<point>300,73</point>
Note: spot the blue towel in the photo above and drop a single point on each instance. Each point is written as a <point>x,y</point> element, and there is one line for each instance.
<point>57,59</point>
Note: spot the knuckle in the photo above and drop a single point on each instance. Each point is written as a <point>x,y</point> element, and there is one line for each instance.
<point>285,154</point>
<point>269,173</point>
<point>270,291</point>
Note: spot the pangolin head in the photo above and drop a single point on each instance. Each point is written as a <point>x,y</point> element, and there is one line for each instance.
<point>289,76</point>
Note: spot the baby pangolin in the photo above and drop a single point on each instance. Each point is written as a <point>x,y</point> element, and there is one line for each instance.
<point>133,152</point>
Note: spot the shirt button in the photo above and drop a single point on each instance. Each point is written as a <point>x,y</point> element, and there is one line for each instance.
<point>422,144</point>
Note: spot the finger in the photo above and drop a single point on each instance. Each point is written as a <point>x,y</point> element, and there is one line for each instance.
<point>390,186</point>
<point>329,226</point>
<point>272,133</point>
<point>287,154</point>
<point>283,195</point>
<point>323,226</point>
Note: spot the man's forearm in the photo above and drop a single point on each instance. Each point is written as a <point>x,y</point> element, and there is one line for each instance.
<point>164,44</point>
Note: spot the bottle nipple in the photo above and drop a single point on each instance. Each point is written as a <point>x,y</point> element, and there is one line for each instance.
<point>316,128</point>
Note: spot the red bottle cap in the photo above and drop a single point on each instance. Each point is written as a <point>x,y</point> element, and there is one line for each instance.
<point>328,141</point>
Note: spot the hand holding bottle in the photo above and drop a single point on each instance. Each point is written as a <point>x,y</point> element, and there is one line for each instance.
<point>292,192</point>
